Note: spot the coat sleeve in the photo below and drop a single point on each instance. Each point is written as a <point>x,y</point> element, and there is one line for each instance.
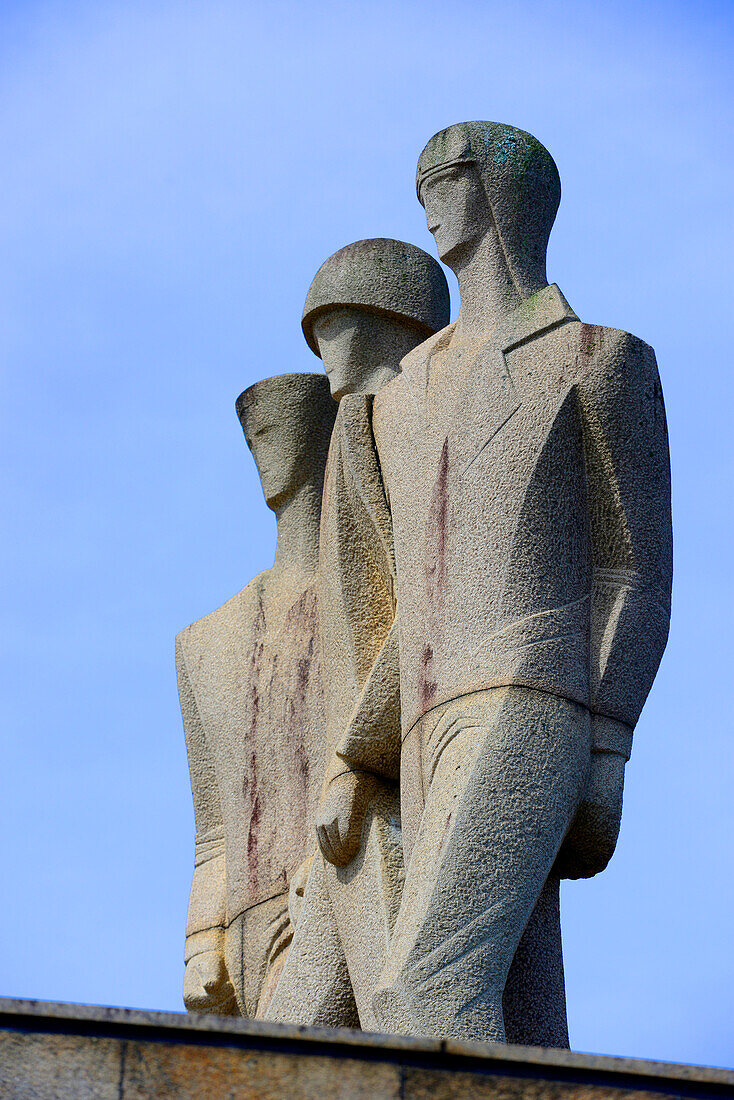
<point>628,477</point>
<point>207,901</point>
<point>371,740</point>
<point>357,605</point>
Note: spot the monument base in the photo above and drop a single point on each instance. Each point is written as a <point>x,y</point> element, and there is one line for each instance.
<point>77,1051</point>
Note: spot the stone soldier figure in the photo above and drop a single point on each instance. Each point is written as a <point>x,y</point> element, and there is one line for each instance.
<point>252,704</point>
<point>513,482</point>
<point>369,305</point>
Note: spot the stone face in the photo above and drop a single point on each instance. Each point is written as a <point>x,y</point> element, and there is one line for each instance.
<point>368,306</point>
<point>504,503</point>
<point>252,703</point>
<point>521,184</point>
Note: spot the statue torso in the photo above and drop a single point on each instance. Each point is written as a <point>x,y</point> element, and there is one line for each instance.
<point>482,455</point>
<point>254,667</point>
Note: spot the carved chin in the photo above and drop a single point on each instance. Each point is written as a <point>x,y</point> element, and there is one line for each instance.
<point>449,249</point>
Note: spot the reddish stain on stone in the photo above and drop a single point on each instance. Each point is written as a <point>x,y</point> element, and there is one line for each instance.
<point>252,838</point>
<point>427,685</point>
<point>589,339</point>
<point>437,533</point>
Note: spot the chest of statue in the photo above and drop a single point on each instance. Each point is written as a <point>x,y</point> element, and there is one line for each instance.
<point>483,461</point>
<point>255,671</point>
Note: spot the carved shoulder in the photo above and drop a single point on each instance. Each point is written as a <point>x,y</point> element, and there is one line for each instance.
<point>605,354</point>
<point>203,635</point>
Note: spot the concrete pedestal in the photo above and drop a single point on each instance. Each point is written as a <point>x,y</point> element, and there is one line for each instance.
<point>77,1051</point>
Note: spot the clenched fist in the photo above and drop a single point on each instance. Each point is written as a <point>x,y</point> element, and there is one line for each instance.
<point>207,987</point>
<point>591,840</point>
<point>341,813</point>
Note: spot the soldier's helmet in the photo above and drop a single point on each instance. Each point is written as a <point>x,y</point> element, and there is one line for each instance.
<point>521,182</point>
<point>380,275</point>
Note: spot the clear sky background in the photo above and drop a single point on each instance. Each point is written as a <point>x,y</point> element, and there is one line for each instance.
<point>171,177</point>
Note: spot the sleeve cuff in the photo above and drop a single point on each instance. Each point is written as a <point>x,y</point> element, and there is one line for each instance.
<point>210,939</point>
<point>208,845</point>
<point>611,735</point>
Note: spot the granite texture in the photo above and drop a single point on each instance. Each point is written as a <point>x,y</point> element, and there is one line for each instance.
<point>459,638</point>
<point>345,920</point>
<point>252,704</point>
<point>369,305</point>
<point>496,554</point>
<point>59,1052</point>
<point>383,276</point>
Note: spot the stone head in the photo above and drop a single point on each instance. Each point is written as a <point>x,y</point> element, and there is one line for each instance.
<point>287,421</point>
<point>369,305</point>
<point>480,177</point>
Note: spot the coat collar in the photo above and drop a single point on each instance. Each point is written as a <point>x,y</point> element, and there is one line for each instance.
<point>543,311</point>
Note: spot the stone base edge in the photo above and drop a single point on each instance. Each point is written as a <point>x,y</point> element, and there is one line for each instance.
<point>57,1051</point>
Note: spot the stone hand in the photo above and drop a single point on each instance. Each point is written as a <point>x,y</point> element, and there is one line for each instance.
<point>341,813</point>
<point>591,840</point>
<point>207,987</point>
<point>298,889</point>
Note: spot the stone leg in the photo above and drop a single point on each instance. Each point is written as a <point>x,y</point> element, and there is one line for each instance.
<point>498,776</point>
<point>343,932</point>
<point>314,987</point>
<point>365,898</point>
<point>255,947</point>
<point>534,1000</point>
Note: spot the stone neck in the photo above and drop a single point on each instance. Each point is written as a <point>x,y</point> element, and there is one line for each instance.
<point>297,548</point>
<point>488,292</point>
<point>379,376</point>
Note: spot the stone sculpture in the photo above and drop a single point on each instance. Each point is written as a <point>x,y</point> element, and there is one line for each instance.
<point>368,306</point>
<point>252,703</point>
<point>492,603</point>
<point>506,501</point>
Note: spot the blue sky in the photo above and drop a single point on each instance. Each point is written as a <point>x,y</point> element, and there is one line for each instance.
<point>172,175</point>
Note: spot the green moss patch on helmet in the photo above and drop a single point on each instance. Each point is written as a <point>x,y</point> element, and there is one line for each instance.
<point>522,185</point>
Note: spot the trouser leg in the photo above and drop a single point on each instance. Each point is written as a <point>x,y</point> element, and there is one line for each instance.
<point>534,1000</point>
<point>314,986</point>
<point>501,773</point>
<point>365,897</point>
<point>254,945</point>
<point>344,928</point>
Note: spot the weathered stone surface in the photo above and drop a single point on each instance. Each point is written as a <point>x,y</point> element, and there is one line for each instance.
<point>71,1052</point>
<point>370,303</point>
<point>493,599</point>
<point>251,698</point>
<point>351,910</point>
<point>503,505</point>
<point>380,275</point>
<point>39,1065</point>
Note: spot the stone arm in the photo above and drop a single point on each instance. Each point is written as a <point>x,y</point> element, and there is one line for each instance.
<point>628,476</point>
<point>371,741</point>
<point>206,984</point>
<point>368,753</point>
<point>628,473</point>
<point>357,608</point>
<point>358,630</point>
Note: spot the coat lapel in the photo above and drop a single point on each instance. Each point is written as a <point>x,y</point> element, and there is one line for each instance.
<point>415,373</point>
<point>485,398</point>
<point>491,397</point>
